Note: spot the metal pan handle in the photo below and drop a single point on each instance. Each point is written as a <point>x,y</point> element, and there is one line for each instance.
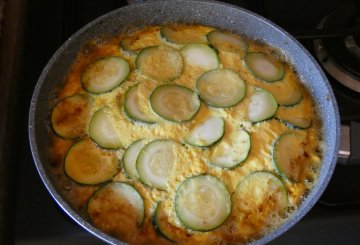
<point>349,153</point>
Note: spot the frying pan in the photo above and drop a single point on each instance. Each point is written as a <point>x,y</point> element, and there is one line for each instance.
<point>204,12</point>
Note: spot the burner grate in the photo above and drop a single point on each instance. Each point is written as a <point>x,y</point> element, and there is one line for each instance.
<point>340,54</point>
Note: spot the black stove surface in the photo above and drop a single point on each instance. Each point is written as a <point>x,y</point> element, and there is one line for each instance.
<point>335,219</point>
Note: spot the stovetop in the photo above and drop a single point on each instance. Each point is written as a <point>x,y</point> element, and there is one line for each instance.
<point>335,219</point>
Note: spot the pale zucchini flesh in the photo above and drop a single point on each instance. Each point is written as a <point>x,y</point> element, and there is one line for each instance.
<point>134,109</point>
<point>221,88</point>
<point>105,74</point>
<point>233,151</point>
<point>102,130</point>
<point>162,63</point>
<point>86,163</point>
<point>129,158</point>
<point>202,203</point>
<point>160,221</point>
<point>174,102</point>
<point>207,132</point>
<point>289,157</point>
<point>288,94</point>
<point>262,106</point>
<point>297,122</point>
<point>264,66</point>
<point>261,193</point>
<point>184,34</point>
<point>138,40</point>
<point>117,208</point>
<point>227,41</point>
<point>200,56</point>
<point>70,116</point>
<point>297,117</point>
<point>155,162</point>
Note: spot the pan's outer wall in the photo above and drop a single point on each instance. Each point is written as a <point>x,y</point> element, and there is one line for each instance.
<point>211,13</point>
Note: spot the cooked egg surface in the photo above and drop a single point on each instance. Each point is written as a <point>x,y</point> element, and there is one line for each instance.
<point>240,226</point>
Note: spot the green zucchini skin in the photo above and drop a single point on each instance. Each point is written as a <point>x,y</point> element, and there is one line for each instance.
<point>129,161</point>
<point>252,57</point>
<point>78,103</point>
<point>171,114</point>
<point>294,102</point>
<point>100,123</point>
<point>265,183</point>
<point>162,227</point>
<point>167,57</point>
<point>217,39</point>
<point>178,36</point>
<point>293,125</point>
<point>186,191</point>
<point>286,144</point>
<point>221,81</point>
<point>122,187</point>
<point>219,127</point>
<point>89,80</point>
<point>77,163</point>
<point>155,221</point>
<point>148,173</point>
<point>198,54</point>
<point>131,112</point>
<point>246,144</point>
<point>261,100</point>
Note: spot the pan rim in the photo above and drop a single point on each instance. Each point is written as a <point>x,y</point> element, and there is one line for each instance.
<point>303,209</point>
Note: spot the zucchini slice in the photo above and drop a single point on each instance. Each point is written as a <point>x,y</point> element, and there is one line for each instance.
<point>155,162</point>
<point>129,159</point>
<point>88,164</point>
<point>260,193</point>
<point>184,34</point>
<point>287,94</point>
<point>174,102</point>
<point>201,56</point>
<point>207,132</point>
<point>262,105</point>
<point>264,66</point>
<point>102,131</point>
<point>105,74</point>
<point>161,63</point>
<point>233,151</point>
<point>289,157</point>
<point>141,39</point>
<point>298,116</point>
<point>202,203</point>
<point>163,227</point>
<point>227,41</point>
<point>296,122</point>
<point>221,88</point>
<point>134,109</point>
<point>70,116</point>
<point>118,209</point>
